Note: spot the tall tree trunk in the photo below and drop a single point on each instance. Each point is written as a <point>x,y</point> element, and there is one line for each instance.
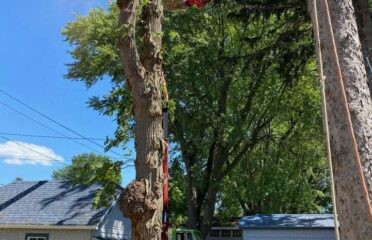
<point>142,200</point>
<point>192,218</point>
<point>351,200</point>
<point>364,23</point>
<point>214,185</point>
<point>210,204</point>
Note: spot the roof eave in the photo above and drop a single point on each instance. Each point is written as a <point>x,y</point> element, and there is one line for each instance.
<point>40,226</point>
<point>286,228</point>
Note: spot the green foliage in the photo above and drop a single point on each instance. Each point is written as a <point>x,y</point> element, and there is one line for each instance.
<point>177,193</point>
<point>289,173</point>
<point>96,57</point>
<point>261,66</point>
<point>243,98</point>
<point>93,169</point>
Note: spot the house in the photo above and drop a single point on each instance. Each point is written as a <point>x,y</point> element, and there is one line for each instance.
<point>288,226</point>
<point>225,233</point>
<point>55,210</point>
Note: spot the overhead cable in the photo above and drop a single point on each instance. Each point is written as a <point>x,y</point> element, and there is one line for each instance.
<point>44,125</point>
<point>48,136</point>
<point>55,121</point>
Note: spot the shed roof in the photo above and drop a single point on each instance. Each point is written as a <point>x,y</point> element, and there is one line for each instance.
<point>287,221</point>
<point>48,203</point>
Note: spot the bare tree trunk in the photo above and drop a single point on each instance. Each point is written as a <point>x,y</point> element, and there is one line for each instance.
<point>142,200</point>
<point>351,200</point>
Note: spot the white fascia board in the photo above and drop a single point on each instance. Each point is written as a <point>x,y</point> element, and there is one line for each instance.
<point>72,227</point>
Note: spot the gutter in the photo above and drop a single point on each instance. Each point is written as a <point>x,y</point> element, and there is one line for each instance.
<point>71,227</point>
<point>288,228</point>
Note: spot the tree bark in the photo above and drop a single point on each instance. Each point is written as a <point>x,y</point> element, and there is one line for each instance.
<point>364,23</point>
<point>351,202</point>
<point>143,72</point>
<point>192,219</point>
<point>210,205</point>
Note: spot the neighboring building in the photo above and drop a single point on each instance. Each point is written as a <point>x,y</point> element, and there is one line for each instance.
<point>288,227</point>
<point>55,210</point>
<point>225,229</point>
<point>225,233</point>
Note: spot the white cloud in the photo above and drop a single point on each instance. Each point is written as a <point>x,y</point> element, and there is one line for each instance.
<point>20,153</point>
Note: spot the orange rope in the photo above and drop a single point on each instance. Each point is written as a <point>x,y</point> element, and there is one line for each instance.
<point>348,115</point>
<point>325,118</point>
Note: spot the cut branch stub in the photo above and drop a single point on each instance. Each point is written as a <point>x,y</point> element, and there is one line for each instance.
<point>136,201</point>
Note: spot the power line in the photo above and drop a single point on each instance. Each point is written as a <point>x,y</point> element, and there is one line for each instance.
<point>47,136</point>
<point>31,157</point>
<point>33,150</point>
<point>54,121</point>
<point>51,129</point>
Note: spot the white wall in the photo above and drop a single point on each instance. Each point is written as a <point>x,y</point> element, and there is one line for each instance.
<point>283,234</point>
<point>114,226</point>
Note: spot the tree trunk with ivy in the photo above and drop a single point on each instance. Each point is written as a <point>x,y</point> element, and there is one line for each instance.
<point>142,200</point>
<point>351,200</point>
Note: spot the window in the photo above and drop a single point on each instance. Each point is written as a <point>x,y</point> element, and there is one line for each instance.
<point>225,233</point>
<point>184,236</point>
<point>189,236</point>
<point>215,233</point>
<point>236,233</point>
<point>179,236</point>
<point>37,236</point>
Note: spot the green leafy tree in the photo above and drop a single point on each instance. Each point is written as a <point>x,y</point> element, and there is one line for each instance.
<point>288,173</point>
<point>230,79</point>
<point>91,169</point>
<point>231,73</point>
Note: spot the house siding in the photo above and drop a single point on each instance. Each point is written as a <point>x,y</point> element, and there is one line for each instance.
<point>114,225</point>
<point>54,234</point>
<point>290,234</point>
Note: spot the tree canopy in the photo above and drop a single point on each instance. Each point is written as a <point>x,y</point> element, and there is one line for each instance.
<point>244,104</point>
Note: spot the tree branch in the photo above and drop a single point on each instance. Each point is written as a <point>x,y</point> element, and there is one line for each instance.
<point>152,18</point>
<point>127,42</point>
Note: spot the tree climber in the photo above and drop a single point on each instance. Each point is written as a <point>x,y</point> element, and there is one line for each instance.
<point>182,4</point>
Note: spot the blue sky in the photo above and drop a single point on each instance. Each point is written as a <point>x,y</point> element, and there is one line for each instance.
<point>32,65</point>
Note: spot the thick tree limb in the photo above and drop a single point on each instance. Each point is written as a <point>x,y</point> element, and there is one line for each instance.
<point>127,42</point>
<point>152,35</point>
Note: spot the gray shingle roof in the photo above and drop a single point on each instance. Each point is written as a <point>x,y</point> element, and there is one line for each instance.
<point>288,221</point>
<point>48,203</point>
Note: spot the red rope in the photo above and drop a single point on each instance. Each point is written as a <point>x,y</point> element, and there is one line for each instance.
<point>165,179</point>
<point>197,3</point>
<point>164,235</point>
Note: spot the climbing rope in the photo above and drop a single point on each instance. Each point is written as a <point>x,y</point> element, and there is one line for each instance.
<point>325,117</point>
<point>346,108</point>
